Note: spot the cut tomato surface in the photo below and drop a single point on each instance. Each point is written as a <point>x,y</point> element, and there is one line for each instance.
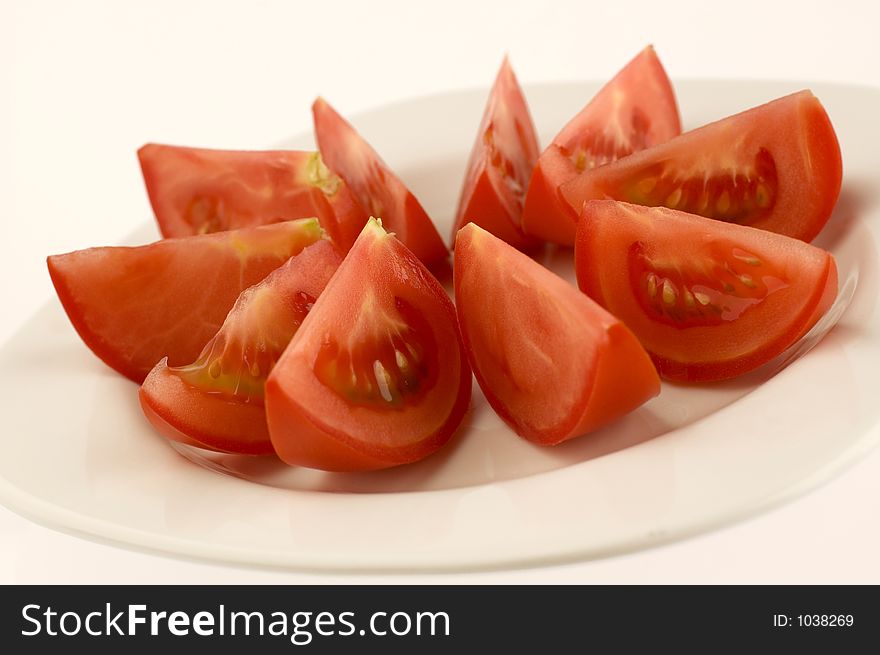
<point>635,110</point>
<point>776,167</point>
<point>199,191</point>
<point>500,164</point>
<point>375,186</point>
<point>217,401</point>
<point>134,306</point>
<point>552,363</point>
<point>376,375</point>
<point>709,300</point>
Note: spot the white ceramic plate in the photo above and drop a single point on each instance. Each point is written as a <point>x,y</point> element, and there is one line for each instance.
<point>78,456</point>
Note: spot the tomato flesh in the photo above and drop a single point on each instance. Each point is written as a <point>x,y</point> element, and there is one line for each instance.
<point>217,401</point>
<point>391,368</point>
<point>135,306</point>
<point>716,288</point>
<point>708,300</point>
<point>745,196</point>
<point>375,376</point>
<point>200,191</point>
<point>635,110</point>
<point>500,164</point>
<point>552,363</point>
<point>776,167</point>
<point>382,193</point>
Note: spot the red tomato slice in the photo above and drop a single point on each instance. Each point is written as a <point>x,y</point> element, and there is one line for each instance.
<point>374,185</point>
<point>500,165</point>
<point>776,167</point>
<point>217,401</point>
<point>199,191</point>
<point>552,363</point>
<point>635,110</point>
<point>708,300</point>
<point>134,306</point>
<point>376,375</point>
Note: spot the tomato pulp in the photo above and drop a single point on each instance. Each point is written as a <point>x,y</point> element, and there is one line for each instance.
<point>709,300</point>
<point>635,110</point>
<point>376,375</point>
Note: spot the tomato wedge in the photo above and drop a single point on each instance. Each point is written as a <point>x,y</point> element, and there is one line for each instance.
<point>217,401</point>
<point>374,185</point>
<point>199,191</point>
<point>552,363</point>
<point>500,164</point>
<point>709,300</point>
<point>776,167</point>
<point>134,306</point>
<point>376,375</point>
<point>635,110</point>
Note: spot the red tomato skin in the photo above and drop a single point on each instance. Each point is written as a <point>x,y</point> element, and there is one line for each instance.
<point>314,445</point>
<point>808,162</point>
<point>249,188</point>
<point>302,440</point>
<point>235,427</point>
<point>615,395</point>
<point>300,430</point>
<point>489,197</point>
<point>187,406</point>
<point>814,306</point>
<point>620,378</point>
<point>546,214</point>
<point>374,185</point>
<point>75,274</point>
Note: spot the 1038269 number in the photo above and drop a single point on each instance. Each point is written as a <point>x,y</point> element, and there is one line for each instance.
<point>825,620</point>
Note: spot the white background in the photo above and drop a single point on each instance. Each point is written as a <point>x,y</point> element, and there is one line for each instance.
<point>84,84</point>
